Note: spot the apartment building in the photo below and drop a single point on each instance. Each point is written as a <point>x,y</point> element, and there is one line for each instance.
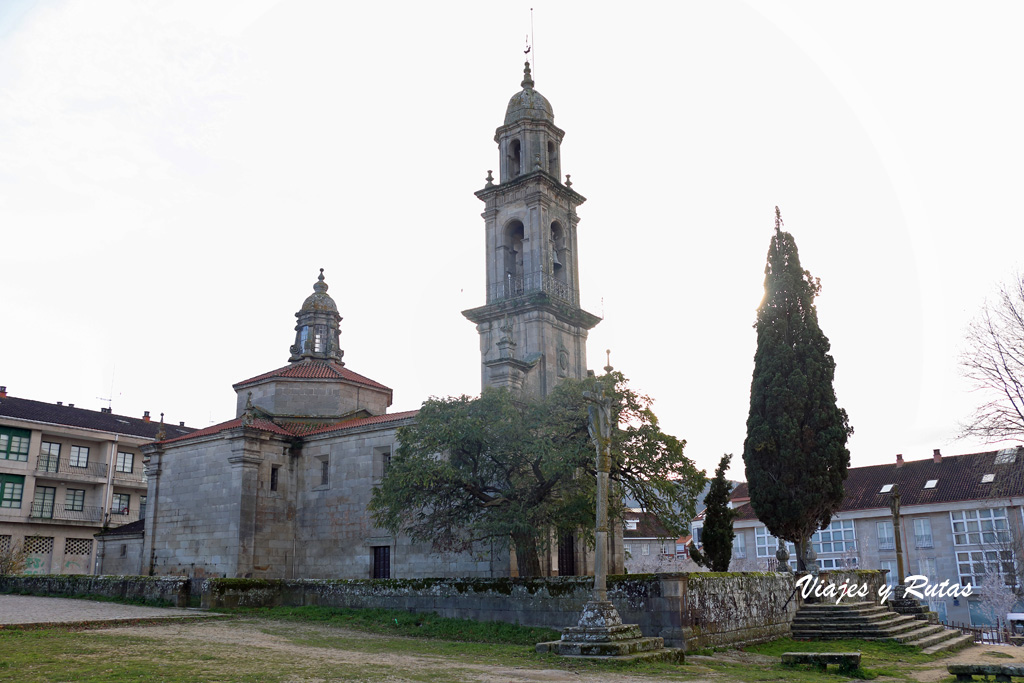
<point>961,520</point>
<point>66,473</point>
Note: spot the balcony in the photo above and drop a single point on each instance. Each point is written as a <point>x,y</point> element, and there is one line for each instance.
<point>515,286</point>
<point>120,518</point>
<point>60,468</point>
<point>738,554</point>
<point>887,544</point>
<point>923,541</point>
<point>59,512</point>
<point>135,478</point>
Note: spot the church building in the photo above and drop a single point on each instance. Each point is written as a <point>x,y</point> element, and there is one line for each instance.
<point>281,490</point>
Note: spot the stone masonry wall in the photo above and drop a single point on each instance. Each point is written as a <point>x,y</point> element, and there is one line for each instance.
<point>167,589</point>
<point>694,610</point>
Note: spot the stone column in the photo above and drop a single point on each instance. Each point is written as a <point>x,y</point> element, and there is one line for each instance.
<point>245,462</point>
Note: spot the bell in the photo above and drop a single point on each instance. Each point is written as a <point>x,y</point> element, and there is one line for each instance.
<point>557,263</point>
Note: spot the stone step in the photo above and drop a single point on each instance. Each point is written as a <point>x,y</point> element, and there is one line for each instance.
<point>933,638</point>
<point>919,633</point>
<point>887,618</point>
<point>957,642</point>
<point>890,628</point>
<point>616,648</point>
<point>842,607</point>
<point>844,616</point>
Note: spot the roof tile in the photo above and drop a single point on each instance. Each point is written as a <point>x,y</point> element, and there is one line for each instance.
<point>68,416</point>
<point>315,369</point>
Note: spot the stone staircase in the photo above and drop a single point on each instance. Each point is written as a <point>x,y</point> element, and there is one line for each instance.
<point>871,621</point>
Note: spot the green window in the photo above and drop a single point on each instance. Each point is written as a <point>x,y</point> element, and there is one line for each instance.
<point>49,457</point>
<point>120,504</point>
<point>11,488</point>
<point>125,462</point>
<point>14,443</point>
<point>74,500</point>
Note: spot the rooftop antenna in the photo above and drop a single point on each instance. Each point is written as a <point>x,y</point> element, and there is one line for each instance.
<point>533,56</point>
<point>109,399</point>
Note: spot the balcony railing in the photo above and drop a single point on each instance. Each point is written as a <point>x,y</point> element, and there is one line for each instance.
<point>64,513</point>
<point>55,465</point>
<point>923,541</point>
<point>136,476</point>
<point>515,285</point>
<point>122,517</point>
<point>739,554</point>
<point>887,544</point>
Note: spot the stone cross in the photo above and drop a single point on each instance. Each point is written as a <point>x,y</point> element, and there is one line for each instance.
<point>894,505</point>
<point>599,424</point>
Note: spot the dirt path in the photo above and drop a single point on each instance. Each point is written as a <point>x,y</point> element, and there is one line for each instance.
<point>249,637</point>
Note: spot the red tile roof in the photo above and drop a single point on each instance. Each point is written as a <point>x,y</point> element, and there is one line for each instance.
<point>363,421</point>
<point>260,424</point>
<point>648,526</point>
<point>958,479</point>
<point>315,369</point>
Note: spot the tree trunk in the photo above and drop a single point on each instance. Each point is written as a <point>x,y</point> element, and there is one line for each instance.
<point>527,559</point>
<point>801,561</point>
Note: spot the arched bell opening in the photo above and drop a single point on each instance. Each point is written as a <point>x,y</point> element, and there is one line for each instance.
<point>514,236</point>
<point>558,255</point>
<point>515,159</point>
<point>553,159</point>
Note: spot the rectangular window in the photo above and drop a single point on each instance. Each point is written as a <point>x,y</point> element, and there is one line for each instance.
<point>11,488</point>
<point>893,576</point>
<point>79,456</point>
<point>974,527</point>
<point>923,533</point>
<point>628,549</point>
<point>74,501</point>
<point>325,472</point>
<point>125,462</point>
<point>49,457</point>
<point>121,504</point>
<point>977,567</point>
<point>827,563</point>
<point>645,549</point>
<point>382,562</point>
<point>142,507</point>
<point>273,477</point>
<point>739,550</point>
<point>886,539</point>
<point>42,506</point>
<point>837,537</point>
<point>927,566</point>
<point>14,443</point>
<point>124,550</point>
<point>766,544</point>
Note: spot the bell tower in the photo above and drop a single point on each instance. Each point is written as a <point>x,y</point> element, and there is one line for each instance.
<point>532,330</point>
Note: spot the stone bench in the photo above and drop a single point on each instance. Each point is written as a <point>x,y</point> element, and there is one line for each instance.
<point>847,661</point>
<point>1002,673</point>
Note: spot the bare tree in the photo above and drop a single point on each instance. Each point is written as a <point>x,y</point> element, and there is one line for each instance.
<point>994,361</point>
<point>12,558</point>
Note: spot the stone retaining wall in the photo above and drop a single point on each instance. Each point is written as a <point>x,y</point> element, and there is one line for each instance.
<point>691,610</point>
<point>173,590</point>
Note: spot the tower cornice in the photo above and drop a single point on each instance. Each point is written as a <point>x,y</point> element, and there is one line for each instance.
<point>566,313</point>
<point>498,192</point>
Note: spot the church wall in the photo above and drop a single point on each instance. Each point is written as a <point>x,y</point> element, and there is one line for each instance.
<point>312,398</point>
<point>337,534</point>
<point>198,525</point>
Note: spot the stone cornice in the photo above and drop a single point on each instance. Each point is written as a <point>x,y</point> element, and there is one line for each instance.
<point>534,177</point>
<point>534,301</point>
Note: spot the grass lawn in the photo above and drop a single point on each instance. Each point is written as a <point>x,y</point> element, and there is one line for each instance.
<point>323,644</point>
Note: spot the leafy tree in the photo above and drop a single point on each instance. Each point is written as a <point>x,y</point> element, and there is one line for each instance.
<point>717,535</point>
<point>994,362</point>
<point>495,470</point>
<point>795,452</point>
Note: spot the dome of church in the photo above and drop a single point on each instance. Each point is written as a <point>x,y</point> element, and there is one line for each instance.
<point>319,300</point>
<point>528,103</point>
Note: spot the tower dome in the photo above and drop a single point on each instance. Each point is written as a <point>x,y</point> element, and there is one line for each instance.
<point>317,334</point>
<point>528,103</point>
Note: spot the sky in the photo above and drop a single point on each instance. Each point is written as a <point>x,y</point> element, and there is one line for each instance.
<point>173,175</point>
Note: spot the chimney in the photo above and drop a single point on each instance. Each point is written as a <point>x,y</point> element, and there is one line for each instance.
<point>899,460</point>
<point>105,410</point>
<point>60,403</point>
<point>181,424</point>
<point>3,392</point>
<point>71,405</point>
<point>145,416</point>
<point>936,456</point>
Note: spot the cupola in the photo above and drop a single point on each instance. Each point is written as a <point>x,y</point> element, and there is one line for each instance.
<point>318,332</point>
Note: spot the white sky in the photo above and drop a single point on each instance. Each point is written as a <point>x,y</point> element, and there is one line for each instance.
<point>173,175</point>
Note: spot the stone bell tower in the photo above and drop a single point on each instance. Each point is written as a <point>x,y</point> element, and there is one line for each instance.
<point>532,330</point>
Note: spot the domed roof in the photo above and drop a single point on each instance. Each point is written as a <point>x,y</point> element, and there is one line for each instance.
<point>528,103</point>
<point>319,300</point>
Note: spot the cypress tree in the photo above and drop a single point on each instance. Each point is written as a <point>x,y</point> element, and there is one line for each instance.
<point>718,535</point>
<point>795,452</point>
